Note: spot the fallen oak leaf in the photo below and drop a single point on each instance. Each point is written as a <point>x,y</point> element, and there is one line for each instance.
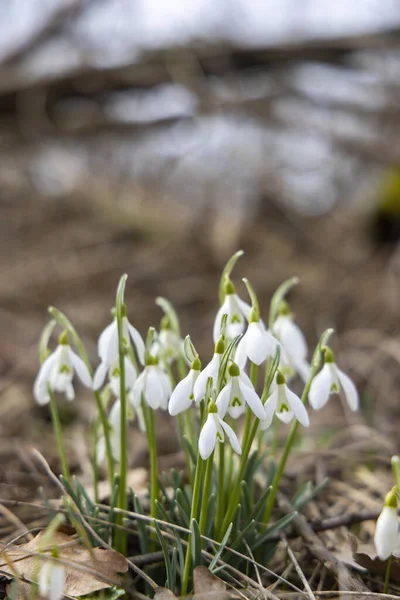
<point>207,585</point>
<point>86,570</point>
<point>163,593</point>
<point>365,555</point>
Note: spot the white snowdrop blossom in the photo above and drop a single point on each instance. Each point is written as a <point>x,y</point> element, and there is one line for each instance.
<point>113,373</point>
<point>210,371</point>
<point>386,533</point>
<point>58,370</point>
<point>257,344</point>
<point>153,384</point>
<point>214,430</point>
<point>183,396</point>
<point>237,312</point>
<point>285,405</point>
<point>168,344</point>
<point>294,349</point>
<point>238,392</point>
<point>51,580</point>
<point>331,380</point>
<point>108,347</point>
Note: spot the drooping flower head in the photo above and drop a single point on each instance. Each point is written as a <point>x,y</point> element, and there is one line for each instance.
<point>210,372</point>
<point>293,344</point>
<point>153,385</point>
<point>114,376</point>
<point>238,393</point>
<point>237,312</point>
<point>108,346</point>
<point>386,536</point>
<point>331,380</point>
<point>284,404</point>
<point>183,395</point>
<point>57,371</point>
<point>257,344</point>
<point>167,346</point>
<point>214,430</point>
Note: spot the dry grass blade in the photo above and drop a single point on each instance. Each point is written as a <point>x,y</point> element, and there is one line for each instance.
<point>298,570</point>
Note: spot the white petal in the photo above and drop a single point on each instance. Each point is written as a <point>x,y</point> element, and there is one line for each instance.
<point>130,374</point>
<point>241,352</point>
<point>40,386</point>
<point>244,307</point>
<point>320,388</point>
<point>138,389</point>
<point>99,376</point>
<point>211,370</point>
<point>302,367</point>
<point>181,396</point>
<point>297,407</point>
<point>44,578</point>
<point>224,398</point>
<point>166,387</point>
<point>80,368</point>
<point>218,318</point>
<point>349,389</point>
<point>244,378</point>
<point>207,438</point>
<point>114,419</point>
<point>256,344</point>
<point>69,392</point>
<point>104,338</point>
<point>236,411</point>
<point>231,436</point>
<point>154,391</point>
<point>286,416</point>
<point>386,532</point>
<point>110,347</point>
<point>137,342</point>
<point>269,410</point>
<point>291,336</point>
<point>57,582</point>
<point>253,400</point>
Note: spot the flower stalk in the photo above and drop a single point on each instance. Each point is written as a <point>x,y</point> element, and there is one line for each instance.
<point>59,436</point>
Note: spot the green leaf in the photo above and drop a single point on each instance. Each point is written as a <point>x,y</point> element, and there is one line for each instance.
<point>167,561</point>
<point>196,543</point>
<point>170,311</point>
<point>245,500</point>
<point>245,534</point>
<point>274,529</point>
<point>185,518</point>
<point>224,362</point>
<point>277,298</point>
<point>226,273</point>
<point>260,505</point>
<point>143,534</point>
<point>183,501</point>
<point>44,340</point>
<point>221,548</point>
<point>210,515</point>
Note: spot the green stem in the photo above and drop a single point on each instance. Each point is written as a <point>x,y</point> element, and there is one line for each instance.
<point>396,471</point>
<point>153,463</point>
<point>193,515</point>
<point>206,494</point>
<point>59,438</point>
<point>95,465</point>
<point>121,539</point>
<point>387,575</point>
<point>221,489</point>
<point>253,374</point>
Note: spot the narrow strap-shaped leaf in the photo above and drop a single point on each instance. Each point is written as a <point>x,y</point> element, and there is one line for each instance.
<point>141,526</point>
<point>164,548</point>
<point>221,548</point>
<point>196,543</point>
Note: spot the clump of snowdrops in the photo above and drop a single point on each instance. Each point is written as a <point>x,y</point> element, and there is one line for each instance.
<point>227,411</point>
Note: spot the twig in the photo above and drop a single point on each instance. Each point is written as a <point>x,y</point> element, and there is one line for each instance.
<point>298,569</point>
<point>318,549</point>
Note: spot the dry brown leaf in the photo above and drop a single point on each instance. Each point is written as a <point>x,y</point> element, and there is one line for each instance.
<point>365,555</point>
<point>205,583</point>
<point>104,565</point>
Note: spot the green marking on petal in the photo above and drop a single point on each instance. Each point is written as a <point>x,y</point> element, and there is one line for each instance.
<point>236,402</point>
<point>236,319</point>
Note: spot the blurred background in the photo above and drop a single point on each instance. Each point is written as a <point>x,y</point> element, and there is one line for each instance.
<point>156,138</point>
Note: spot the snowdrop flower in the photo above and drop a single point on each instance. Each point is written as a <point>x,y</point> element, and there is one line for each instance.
<point>257,343</point>
<point>51,580</point>
<point>285,405</point>
<point>183,396</point>
<point>153,384</point>
<point>57,371</point>
<point>238,392</point>
<point>331,380</point>
<point>293,344</point>
<point>237,311</point>
<point>114,376</point>
<point>210,371</point>
<point>107,346</point>
<point>386,532</point>
<point>215,430</point>
<point>168,344</point>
